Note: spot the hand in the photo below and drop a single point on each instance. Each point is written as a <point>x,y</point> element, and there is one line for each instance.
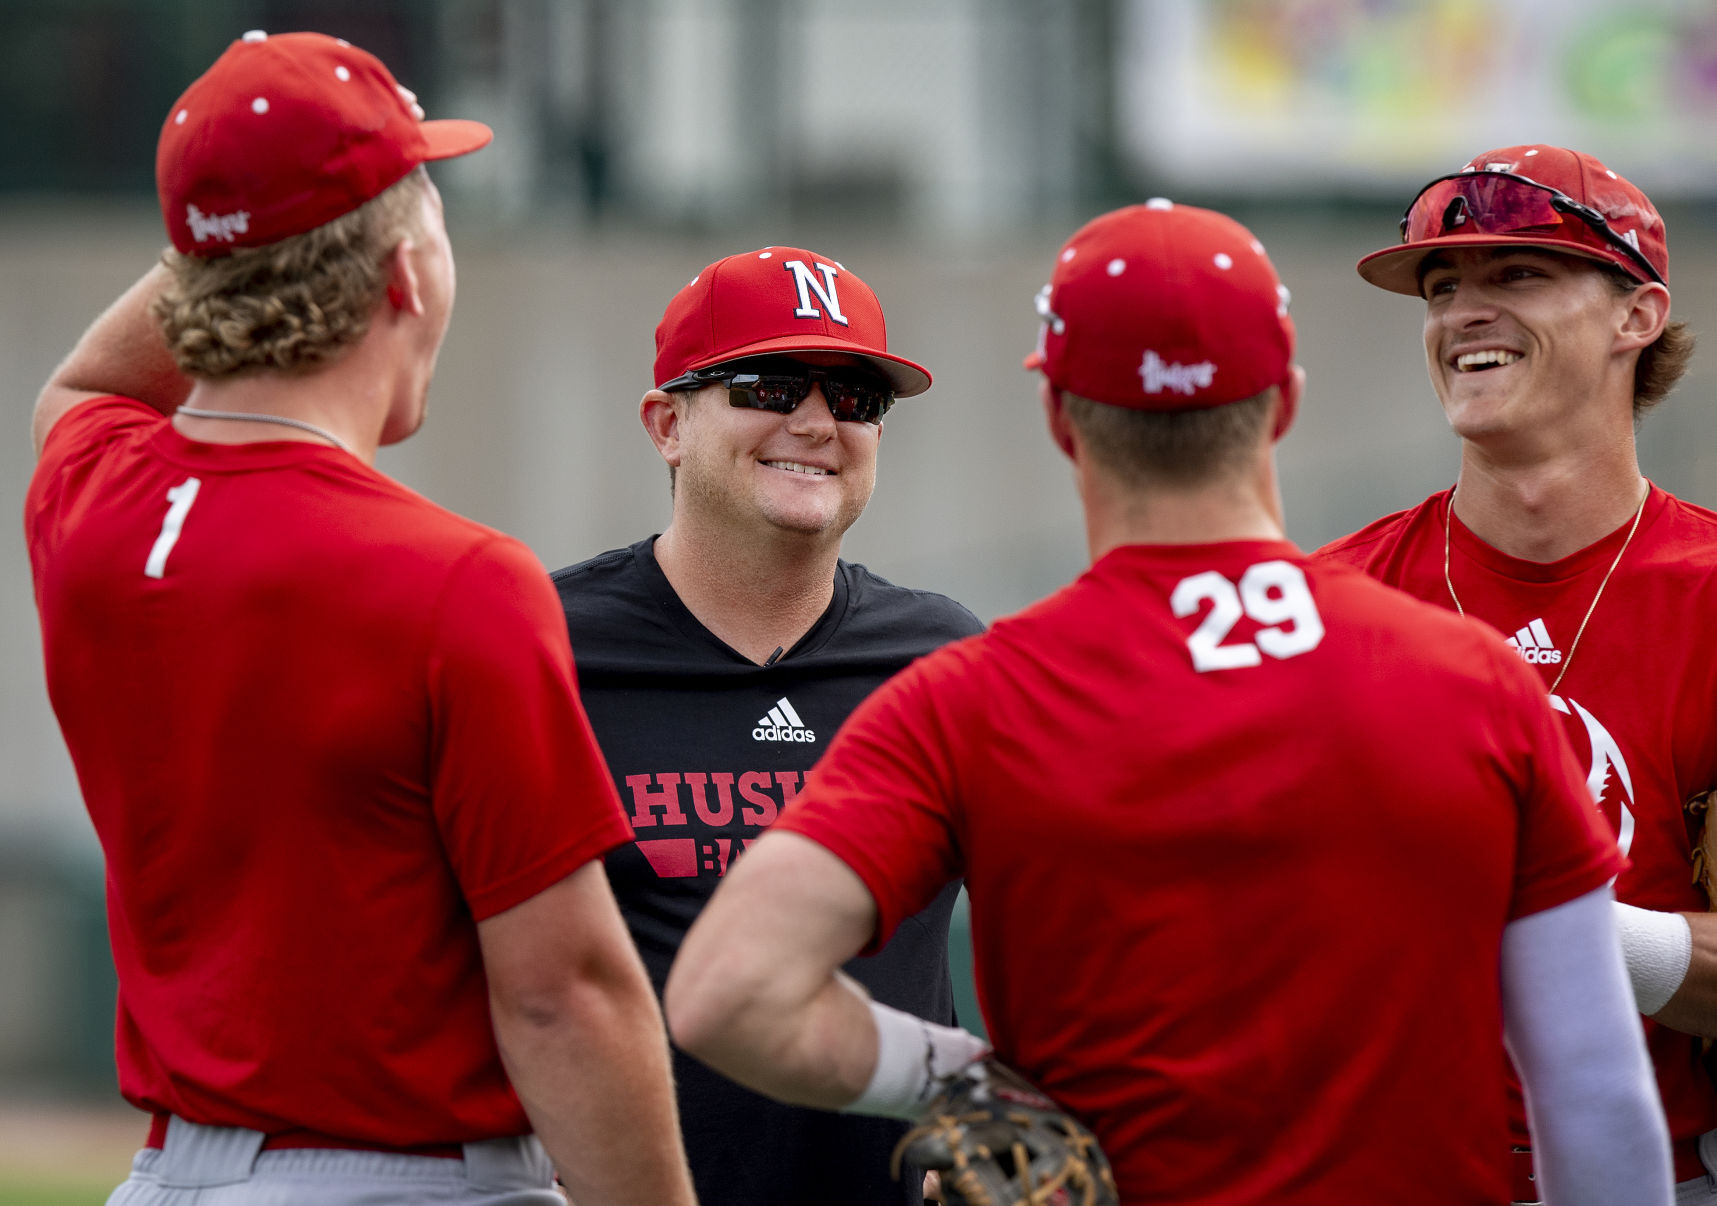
<point>410,98</point>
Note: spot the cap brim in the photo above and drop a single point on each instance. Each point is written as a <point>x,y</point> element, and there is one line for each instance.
<point>907,378</point>
<point>1397,268</point>
<point>446,137</point>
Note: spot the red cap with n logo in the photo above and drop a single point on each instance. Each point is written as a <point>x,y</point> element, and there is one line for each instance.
<point>777,300</point>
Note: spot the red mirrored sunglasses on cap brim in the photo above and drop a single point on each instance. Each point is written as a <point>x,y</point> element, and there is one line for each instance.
<point>1506,203</point>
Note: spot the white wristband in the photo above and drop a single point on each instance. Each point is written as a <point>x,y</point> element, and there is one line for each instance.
<point>912,1055</point>
<point>1658,948</point>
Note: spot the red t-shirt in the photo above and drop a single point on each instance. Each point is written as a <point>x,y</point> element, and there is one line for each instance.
<point>1241,837</point>
<point>322,726</point>
<point>1639,699</point>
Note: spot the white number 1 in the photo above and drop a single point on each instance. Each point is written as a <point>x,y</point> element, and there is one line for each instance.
<point>1271,592</point>
<point>181,497</point>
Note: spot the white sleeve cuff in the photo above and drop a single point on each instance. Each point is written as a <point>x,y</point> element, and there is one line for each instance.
<point>1658,948</point>
<point>912,1057</point>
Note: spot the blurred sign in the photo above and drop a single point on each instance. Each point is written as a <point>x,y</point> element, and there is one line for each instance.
<point>1369,96</point>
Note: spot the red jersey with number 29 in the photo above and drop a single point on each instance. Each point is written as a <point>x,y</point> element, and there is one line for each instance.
<point>322,726</point>
<point>1637,699</point>
<point>1241,836</point>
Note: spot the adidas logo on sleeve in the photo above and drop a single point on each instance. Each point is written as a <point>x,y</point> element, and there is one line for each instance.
<point>782,724</point>
<point>1534,645</point>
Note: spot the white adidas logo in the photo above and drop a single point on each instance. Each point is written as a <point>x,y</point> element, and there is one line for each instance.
<point>782,724</point>
<point>1533,643</point>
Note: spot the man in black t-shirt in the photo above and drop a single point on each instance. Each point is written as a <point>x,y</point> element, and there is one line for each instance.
<point>717,659</point>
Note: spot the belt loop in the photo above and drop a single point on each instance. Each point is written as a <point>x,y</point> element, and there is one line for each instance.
<point>518,1162</point>
<point>195,1156</point>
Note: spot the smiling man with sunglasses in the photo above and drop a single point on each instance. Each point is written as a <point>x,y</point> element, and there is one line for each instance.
<point>1547,333</point>
<point>718,658</point>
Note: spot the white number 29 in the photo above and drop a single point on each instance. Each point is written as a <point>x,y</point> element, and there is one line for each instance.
<point>1273,593</point>
<point>180,498</point>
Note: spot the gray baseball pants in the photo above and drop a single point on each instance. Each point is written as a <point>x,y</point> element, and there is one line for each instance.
<point>226,1166</point>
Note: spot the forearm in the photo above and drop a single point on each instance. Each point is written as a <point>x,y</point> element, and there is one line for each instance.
<point>1693,1006</point>
<point>757,994</point>
<point>593,1075</point>
<point>122,352</point>
<point>813,1049</point>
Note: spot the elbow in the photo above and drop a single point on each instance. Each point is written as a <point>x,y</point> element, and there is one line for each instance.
<point>706,1004</point>
<point>694,1011</point>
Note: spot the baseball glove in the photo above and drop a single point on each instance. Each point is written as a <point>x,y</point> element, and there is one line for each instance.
<point>997,1141</point>
<point>1704,846</point>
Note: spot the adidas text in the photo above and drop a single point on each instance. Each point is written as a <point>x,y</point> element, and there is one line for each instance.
<point>782,723</point>
<point>1534,645</point>
<point>770,732</point>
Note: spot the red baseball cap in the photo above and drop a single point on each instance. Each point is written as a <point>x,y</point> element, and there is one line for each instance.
<point>1164,307</point>
<point>777,299</point>
<point>286,133</point>
<point>1487,204</point>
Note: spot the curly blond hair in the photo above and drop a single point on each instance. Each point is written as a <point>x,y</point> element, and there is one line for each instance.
<point>290,306</point>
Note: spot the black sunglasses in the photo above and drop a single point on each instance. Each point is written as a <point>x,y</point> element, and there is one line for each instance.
<point>1494,203</point>
<point>779,384</point>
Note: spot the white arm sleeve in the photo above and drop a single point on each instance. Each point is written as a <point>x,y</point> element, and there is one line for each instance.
<point>1598,1133</point>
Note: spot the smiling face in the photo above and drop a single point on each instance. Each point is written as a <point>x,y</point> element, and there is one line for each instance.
<point>1525,343</point>
<point>803,472</point>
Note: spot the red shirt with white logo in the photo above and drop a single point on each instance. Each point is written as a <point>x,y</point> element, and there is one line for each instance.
<point>322,727</point>
<point>1241,836</point>
<point>1638,701</point>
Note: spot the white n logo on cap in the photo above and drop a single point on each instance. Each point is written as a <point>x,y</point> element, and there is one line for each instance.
<point>824,289</point>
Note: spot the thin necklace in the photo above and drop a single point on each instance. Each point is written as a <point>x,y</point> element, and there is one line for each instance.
<point>1448,523</point>
<point>246,417</point>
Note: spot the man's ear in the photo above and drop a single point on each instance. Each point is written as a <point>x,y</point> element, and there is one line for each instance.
<point>1055,414</point>
<point>403,292</point>
<point>1288,398</point>
<point>1646,316</point>
<point>659,411</point>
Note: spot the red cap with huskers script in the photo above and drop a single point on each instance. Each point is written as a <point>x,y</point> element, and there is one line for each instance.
<point>1164,307</point>
<point>778,300</point>
<point>286,133</point>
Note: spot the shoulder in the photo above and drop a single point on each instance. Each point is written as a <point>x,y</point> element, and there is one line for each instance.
<point>613,582</point>
<point>1684,534</point>
<point>595,573</point>
<point>936,617</point>
<point>1374,540</point>
<point>91,425</point>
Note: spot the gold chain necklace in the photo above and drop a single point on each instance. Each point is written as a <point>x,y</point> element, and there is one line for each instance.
<point>1449,523</point>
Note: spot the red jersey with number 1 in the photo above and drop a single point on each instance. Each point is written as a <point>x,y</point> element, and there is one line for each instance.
<point>1638,700</point>
<point>1241,836</point>
<point>322,727</point>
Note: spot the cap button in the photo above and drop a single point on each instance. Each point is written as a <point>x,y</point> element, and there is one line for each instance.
<point>255,35</point>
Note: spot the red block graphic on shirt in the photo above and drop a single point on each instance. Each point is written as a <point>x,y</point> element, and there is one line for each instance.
<point>671,858</point>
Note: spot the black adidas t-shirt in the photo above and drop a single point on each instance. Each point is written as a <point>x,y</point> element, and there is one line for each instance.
<point>706,748</point>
